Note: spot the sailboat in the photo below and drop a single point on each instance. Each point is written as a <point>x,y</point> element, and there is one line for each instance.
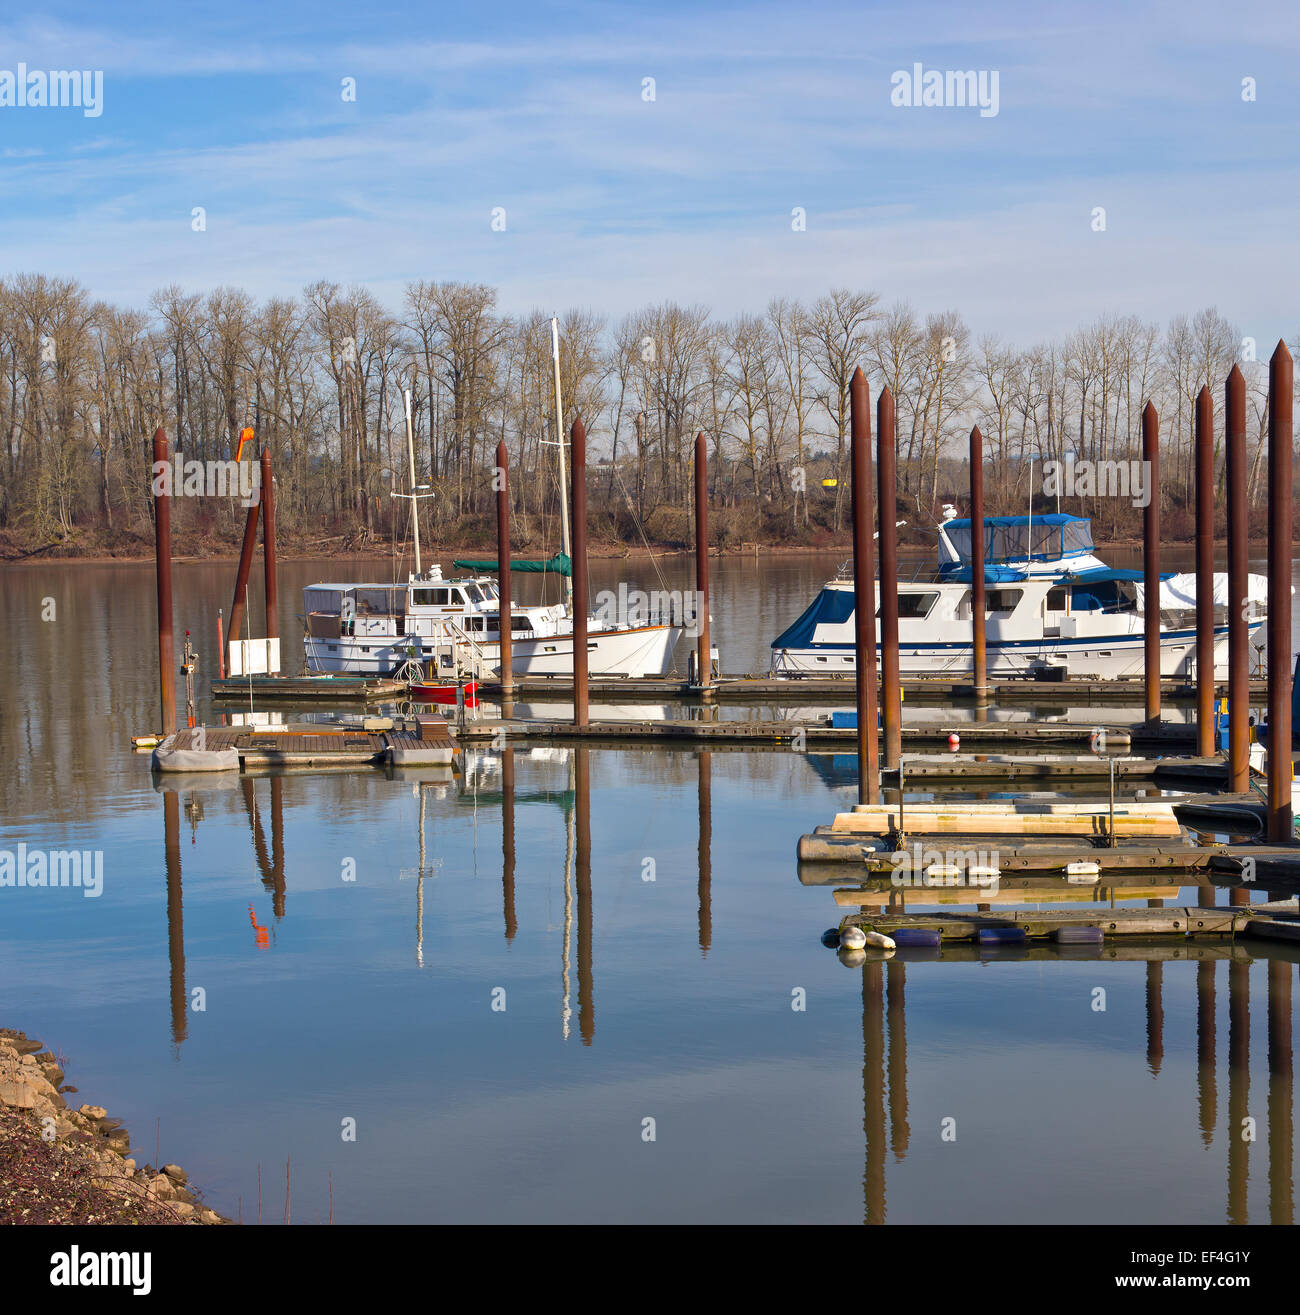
<point>433,629</point>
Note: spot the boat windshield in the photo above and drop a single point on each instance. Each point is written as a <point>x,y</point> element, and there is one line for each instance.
<point>1018,538</point>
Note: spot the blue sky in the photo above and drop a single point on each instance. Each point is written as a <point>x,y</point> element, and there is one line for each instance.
<point>612,201</point>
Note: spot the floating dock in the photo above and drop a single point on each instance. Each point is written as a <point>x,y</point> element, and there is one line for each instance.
<point>791,733</point>
<point>806,689</point>
<point>425,741</point>
<point>1279,920</point>
<point>306,689</point>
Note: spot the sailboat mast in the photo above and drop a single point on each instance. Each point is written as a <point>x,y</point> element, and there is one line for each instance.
<point>565,543</point>
<point>415,499</point>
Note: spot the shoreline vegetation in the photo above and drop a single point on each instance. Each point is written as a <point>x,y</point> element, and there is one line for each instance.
<point>90,551</point>
<point>344,394</point>
<point>60,1165</point>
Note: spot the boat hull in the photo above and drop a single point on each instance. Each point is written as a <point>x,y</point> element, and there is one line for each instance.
<point>1105,657</point>
<point>636,651</point>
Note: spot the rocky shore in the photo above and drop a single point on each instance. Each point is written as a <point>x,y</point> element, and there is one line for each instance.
<point>60,1165</point>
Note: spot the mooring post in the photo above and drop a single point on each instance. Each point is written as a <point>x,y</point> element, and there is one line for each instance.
<point>579,442</point>
<point>1151,560</point>
<point>221,647</point>
<point>864,589</point>
<point>1280,493</point>
<point>891,690</point>
<point>1234,412</point>
<point>977,595</point>
<point>241,575</point>
<point>162,524</point>
<point>266,495</point>
<point>1204,573</point>
<point>704,659</point>
<point>505,619</point>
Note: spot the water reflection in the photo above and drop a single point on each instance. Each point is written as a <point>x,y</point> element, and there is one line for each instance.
<point>885,1082</point>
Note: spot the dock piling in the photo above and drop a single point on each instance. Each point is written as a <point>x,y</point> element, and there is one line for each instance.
<point>704,658</point>
<point>977,597</point>
<point>864,588</point>
<point>162,516</point>
<point>1281,381</point>
<point>1151,561</point>
<point>1204,574</point>
<point>241,575</point>
<point>504,619</point>
<point>891,691</point>
<point>1234,412</point>
<point>266,496</point>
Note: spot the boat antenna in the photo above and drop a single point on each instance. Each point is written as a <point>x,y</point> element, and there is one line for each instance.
<point>559,442</point>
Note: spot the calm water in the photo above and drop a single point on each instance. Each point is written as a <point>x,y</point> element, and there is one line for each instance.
<point>625,999</point>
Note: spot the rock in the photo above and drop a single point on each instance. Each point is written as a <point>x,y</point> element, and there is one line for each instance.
<point>161,1187</point>
<point>129,1166</point>
<point>93,1111</point>
<point>183,1208</point>
<point>209,1216</point>
<point>65,1090</point>
<point>16,1094</point>
<point>175,1173</point>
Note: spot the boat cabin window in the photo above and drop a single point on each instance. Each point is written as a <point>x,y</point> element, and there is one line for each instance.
<point>1056,600</point>
<point>430,597</point>
<point>472,593</point>
<point>914,606</point>
<point>520,624</point>
<point>1002,601</point>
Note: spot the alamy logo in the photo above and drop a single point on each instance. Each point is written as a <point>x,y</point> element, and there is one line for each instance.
<point>211,479</point>
<point>55,868</point>
<point>946,88</point>
<point>75,1268</point>
<point>57,89</point>
<point>659,607</point>
<point>1098,479</point>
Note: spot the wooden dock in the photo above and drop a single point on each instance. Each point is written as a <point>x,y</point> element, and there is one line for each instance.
<point>813,689</point>
<point>1273,921</point>
<point>307,689</point>
<point>992,735</point>
<point>313,747</point>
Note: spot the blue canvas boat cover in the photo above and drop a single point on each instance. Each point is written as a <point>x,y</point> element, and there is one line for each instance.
<point>830,607</point>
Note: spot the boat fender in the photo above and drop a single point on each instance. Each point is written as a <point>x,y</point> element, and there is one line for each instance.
<point>928,937</point>
<point>1078,936</point>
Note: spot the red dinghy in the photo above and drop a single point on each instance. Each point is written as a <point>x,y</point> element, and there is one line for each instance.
<point>446,693</point>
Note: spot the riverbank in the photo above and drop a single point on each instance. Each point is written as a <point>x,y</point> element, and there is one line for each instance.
<point>60,1165</point>
<point>226,551</point>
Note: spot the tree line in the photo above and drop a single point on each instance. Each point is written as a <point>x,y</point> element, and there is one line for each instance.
<point>322,378</point>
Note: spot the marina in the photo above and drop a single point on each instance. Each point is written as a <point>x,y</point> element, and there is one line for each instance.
<point>987,812</point>
<point>607,625</point>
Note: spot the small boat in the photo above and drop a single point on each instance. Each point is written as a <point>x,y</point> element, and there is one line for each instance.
<point>446,694</point>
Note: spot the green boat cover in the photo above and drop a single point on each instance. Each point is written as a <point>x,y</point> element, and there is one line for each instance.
<point>557,565</point>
